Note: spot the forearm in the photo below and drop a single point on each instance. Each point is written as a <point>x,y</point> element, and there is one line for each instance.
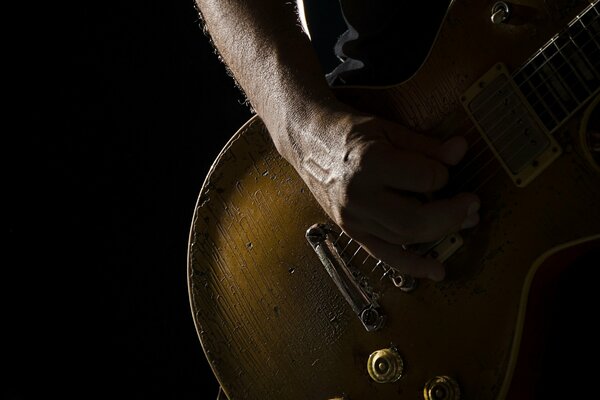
<point>360,168</point>
<point>273,61</point>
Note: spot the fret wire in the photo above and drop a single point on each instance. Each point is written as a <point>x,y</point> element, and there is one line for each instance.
<point>527,80</point>
<point>570,113</point>
<point>579,50</point>
<point>590,66</point>
<point>586,28</point>
<point>540,99</point>
<point>589,34</point>
<point>521,70</point>
<point>575,70</point>
<point>552,90</point>
<point>536,70</point>
<point>560,81</point>
<point>473,159</point>
<point>561,77</point>
<point>455,177</point>
<point>560,48</point>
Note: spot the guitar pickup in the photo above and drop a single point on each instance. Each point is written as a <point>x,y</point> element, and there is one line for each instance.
<point>510,126</point>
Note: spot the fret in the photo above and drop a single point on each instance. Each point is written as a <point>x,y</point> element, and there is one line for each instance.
<point>589,41</point>
<point>591,23</point>
<point>561,93</point>
<point>564,73</point>
<point>536,102</point>
<point>580,60</point>
<point>582,36</point>
<point>573,91</point>
<point>539,95</point>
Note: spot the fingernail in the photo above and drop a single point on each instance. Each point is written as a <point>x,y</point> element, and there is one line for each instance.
<point>471,220</point>
<point>473,208</point>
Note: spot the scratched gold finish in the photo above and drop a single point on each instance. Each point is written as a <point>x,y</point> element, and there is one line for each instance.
<point>270,320</point>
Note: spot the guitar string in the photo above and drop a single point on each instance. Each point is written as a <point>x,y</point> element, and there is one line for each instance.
<point>515,137</point>
<point>388,271</point>
<point>547,60</point>
<point>534,88</point>
<point>458,176</point>
<point>559,49</point>
<point>515,107</point>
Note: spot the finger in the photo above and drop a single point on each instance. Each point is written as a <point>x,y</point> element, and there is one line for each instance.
<point>449,152</point>
<point>414,222</point>
<point>357,226</point>
<point>413,172</point>
<point>404,261</point>
<point>439,218</point>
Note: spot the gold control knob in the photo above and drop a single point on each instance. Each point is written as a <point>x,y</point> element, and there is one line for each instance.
<point>441,388</point>
<point>385,366</point>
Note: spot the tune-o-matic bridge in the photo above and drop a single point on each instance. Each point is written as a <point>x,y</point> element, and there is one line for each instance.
<point>355,290</point>
<point>337,256</point>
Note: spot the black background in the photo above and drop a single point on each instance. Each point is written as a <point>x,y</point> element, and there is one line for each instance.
<point>119,109</point>
<point>114,112</point>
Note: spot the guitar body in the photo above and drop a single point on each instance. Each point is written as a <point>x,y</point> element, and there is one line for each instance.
<point>274,325</point>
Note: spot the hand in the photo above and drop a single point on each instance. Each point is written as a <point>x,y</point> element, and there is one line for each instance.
<point>365,172</point>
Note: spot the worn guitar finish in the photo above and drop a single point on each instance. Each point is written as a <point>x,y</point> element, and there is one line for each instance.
<point>274,325</point>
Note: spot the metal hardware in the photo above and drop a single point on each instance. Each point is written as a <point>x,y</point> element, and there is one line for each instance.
<point>385,365</point>
<point>500,12</point>
<point>441,388</point>
<point>446,247</point>
<point>347,280</point>
<point>405,282</point>
<point>509,126</point>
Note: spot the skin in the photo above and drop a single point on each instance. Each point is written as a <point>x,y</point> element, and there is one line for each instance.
<point>363,170</point>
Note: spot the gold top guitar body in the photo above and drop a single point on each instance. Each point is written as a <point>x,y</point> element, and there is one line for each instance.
<point>284,316</point>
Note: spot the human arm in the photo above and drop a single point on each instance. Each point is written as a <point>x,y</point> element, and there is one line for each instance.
<point>359,167</point>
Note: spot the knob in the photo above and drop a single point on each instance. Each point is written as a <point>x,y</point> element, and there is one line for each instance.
<point>441,388</point>
<point>500,12</point>
<point>385,366</point>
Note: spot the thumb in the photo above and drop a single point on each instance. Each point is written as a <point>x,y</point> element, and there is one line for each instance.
<point>451,151</point>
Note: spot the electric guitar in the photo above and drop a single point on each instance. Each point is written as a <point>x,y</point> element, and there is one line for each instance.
<point>287,306</point>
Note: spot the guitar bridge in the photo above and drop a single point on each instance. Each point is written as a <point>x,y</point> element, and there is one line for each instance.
<point>359,296</point>
<point>351,283</point>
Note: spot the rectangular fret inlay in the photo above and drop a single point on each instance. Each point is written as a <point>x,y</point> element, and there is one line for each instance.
<point>564,73</point>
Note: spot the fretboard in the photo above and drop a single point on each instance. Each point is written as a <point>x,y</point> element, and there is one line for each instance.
<point>564,73</point>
